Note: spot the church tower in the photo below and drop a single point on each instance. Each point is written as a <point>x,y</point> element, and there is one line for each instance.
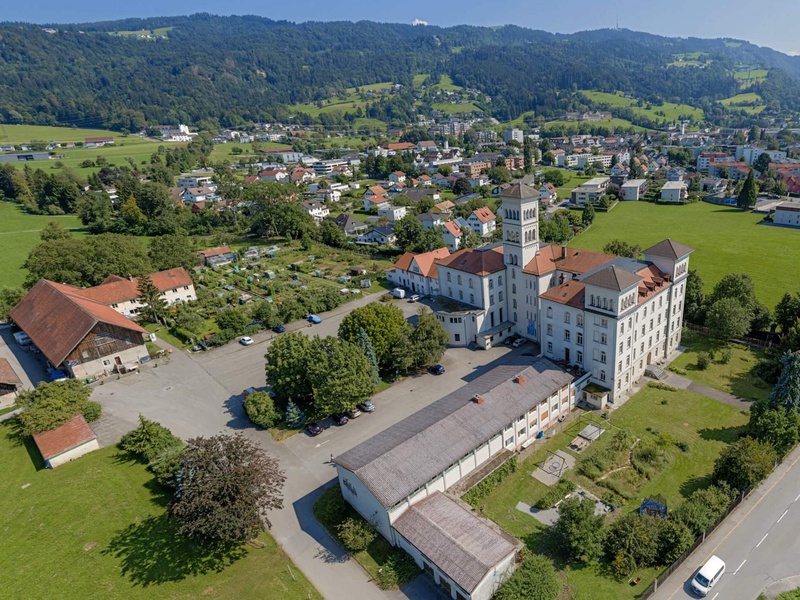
<point>520,210</point>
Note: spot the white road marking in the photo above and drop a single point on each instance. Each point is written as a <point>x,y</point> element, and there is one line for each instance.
<point>762,539</point>
<point>323,443</point>
<point>740,566</point>
<point>798,498</point>
<point>715,596</point>
<point>783,515</point>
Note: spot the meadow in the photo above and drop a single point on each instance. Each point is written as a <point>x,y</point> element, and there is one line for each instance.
<point>750,102</point>
<point>19,233</point>
<point>725,240</point>
<point>575,126</point>
<point>672,112</point>
<point>97,528</point>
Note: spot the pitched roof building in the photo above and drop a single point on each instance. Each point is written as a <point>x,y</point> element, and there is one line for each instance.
<point>67,442</point>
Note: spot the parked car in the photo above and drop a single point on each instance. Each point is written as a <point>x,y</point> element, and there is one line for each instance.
<point>248,391</point>
<point>436,370</point>
<point>315,319</point>
<point>313,429</point>
<point>246,341</point>
<point>279,329</point>
<point>353,413</point>
<point>367,406</point>
<point>510,340</point>
<point>339,419</point>
<point>519,342</point>
<point>413,298</point>
<point>708,575</point>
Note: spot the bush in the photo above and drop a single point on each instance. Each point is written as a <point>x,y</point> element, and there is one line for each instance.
<point>725,356</point>
<point>703,360</point>
<point>484,488</point>
<point>52,404</point>
<point>535,579</point>
<point>92,411</point>
<point>703,508</point>
<point>745,463</point>
<point>260,409</point>
<point>674,539</point>
<point>356,534</point>
<point>555,494</point>
<point>647,458</point>
<point>660,385</point>
<point>398,569</point>
<point>149,441</point>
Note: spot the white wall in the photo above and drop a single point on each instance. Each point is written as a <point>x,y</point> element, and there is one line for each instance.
<point>73,454</point>
<point>98,366</point>
<point>360,498</point>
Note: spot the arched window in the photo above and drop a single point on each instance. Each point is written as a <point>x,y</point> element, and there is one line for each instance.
<point>499,280</point>
<point>513,285</point>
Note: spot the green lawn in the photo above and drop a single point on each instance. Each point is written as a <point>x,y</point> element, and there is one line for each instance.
<point>19,233</point>
<point>751,74</point>
<point>734,377</point>
<point>455,109</point>
<point>159,32</point>
<point>97,528</point>
<point>21,134</point>
<point>706,425</point>
<point>725,240</point>
<point>616,123</point>
<point>750,102</point>
<point>672,112</point>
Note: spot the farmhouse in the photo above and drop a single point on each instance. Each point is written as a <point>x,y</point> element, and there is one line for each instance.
<point>71,440</point>
<point>84,337</point>
<point>397,479</point>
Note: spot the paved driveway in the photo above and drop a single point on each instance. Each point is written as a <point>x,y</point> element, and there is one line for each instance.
<point>199,394</point>
<point>27,365</point>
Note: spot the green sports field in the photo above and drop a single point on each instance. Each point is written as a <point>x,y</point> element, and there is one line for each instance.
<point>19,233</point>
<point>725,240</point>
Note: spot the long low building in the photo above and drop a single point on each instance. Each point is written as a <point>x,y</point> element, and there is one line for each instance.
<point>397,479</point>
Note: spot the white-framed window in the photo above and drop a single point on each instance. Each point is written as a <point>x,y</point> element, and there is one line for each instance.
<point>603,357</point>
<point>549,329</point>
<point>549,312</point>
<point>550,347</point>
<point>566,317</point>
<point>500,296</point>
<point>579,338</point>
<point>491,300</point>
<point>602,375</point>
<point>566,335</point>
<point>579,356</point>
<point>579,320</point>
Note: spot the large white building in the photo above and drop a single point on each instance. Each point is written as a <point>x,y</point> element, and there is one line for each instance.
<point>590,191</point>
<point>787,214</point>
<point>607,315</point>
<point>397,479</point>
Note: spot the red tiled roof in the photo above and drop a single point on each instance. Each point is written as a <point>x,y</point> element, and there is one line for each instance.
<point>57,318</point>
<point>453,228</point>
<point>570,293</point>
<point>398,146</point>
<point>426,261</point>
<point>118,289</point>
<point>71,434</point>
<point>477,261</point>
<point>7,374</point>
<point>484,215</point>
<point>209,252</point>
<point>576,260</point>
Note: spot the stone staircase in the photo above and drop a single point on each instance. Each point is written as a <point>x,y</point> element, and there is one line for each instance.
<point>656,372</point>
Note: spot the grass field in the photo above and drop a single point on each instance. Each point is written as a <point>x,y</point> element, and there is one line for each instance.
<point>97,528</point>
<point>225,151</point>
<point>725,240</point>
<point>455,109</point>
<point>19,233</point>
<point>672,112</point>
<point>734,377</point>
<point>21,134</point>
<point>751,74</point>
<point>160,32</point>
<point>616,123</point>
<point>705,425</point>
<point>749,102</point>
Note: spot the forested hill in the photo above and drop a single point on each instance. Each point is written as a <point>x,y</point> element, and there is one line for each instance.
<point>222,70</point>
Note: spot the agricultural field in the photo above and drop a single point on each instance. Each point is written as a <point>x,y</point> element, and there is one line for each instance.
<point>19,234</point>
<point>445,83</point>
<point>574,126</point>
<point>692,429</point>
<point>672,112</point>
<point>750,102</point>
<point>725,240</point>
<point>21,134</point>
<point>160,32</point>
<point>690,59</point>
<point>351,100</point>
<point>751,75</point>
<point>455,109</point>
<point>97,527</point>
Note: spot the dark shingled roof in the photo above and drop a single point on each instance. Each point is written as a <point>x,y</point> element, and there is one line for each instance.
<point>459,543</point>
<point>612,278</point>
<point>669,249</point>
<point>519,191</point>
<point>400,459</point>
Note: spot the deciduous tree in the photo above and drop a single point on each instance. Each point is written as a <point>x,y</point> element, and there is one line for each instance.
<point>288,358</point>
<point>727,318</point>
<point>535,579</point>
<point>170,251</point>
<point>579,531</point>
<point>774,424</point>
<point>385,325</point>
<point>261,410</point>
<point>226,485</point>
<point>428,339</point>
<point>340,376</point>
<point>745,463</point>
<point>51,405</point>
<point>623,248</point>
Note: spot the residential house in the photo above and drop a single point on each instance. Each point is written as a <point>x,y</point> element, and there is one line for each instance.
<point>418,272</point>
<point>787,214</point>
<point>713,185</point>
<point>198,194</point>
<point>548,194</point>
<point>426,146</point>
<point>328,195</point>
<point>97,142</point>
<point>392,148</point>
<point>472,167</point>
<point>300,175</point>
<point>122,293</point>
<point>215,257</point>
<point>590,191</point>
<point>383,235</point>
<point>278,175</point>
<point>349,225</point>
<point>705,159</point>
<point>417,194</point>
<point>374,196</point>
<point>424,180</point>
<point>66,442</point>
<point>430,220</point>
<point>397,177</point>
<point>194,181</point>
<point>634,189</point>
<point>675,174</point>
<point>443,208</point>
<point>674,191</point>
<point>480,424</point>
<point>317,210</point>
<point>452,235</point>
<point>479,180</point>
<point>393,213</point>
<point>482,221</point>
<point>83,337</point>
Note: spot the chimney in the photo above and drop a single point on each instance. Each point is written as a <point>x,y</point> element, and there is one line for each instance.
<point>477,399</point>
<point>563,251</point>
<point>520,379</point>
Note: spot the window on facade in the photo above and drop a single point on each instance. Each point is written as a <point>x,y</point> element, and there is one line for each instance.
<point>514,303</point>
<point>491,284</point>
<point>579,320</point>
<point>460,295</point>
<point>106,362</point>
<point>579,339</point>
<point>550,312</point>
<point>499,280</point>
<point>603,339</point>
<point>579,356</point>
<point>186,287</point>
<point>591,302</point>
<point>450,292</point>
<point>566,335</point>
<point>491,300</point>
<point>549,330</point>
<point>458,278</point>
<point>457,337</point>
<point>549,346</point>
<point>513,273</point>
<point>449,278</point>
<point>471,284</point>
<point>472,298</point>
<point>513,288</point>
<point>566,317</point>
<point>619,366</point>
<point>602,375</point>
<point>603,357</point>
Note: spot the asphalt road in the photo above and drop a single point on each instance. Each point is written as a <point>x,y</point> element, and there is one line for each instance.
<point>200,394</point>
<point>759,542</point>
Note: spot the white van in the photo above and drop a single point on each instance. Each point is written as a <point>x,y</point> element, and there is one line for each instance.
<point>708,575</point>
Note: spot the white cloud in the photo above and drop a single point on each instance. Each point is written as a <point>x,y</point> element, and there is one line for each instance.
<point>416,22</point>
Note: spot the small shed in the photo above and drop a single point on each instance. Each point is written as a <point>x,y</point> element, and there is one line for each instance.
<point>9,380</point>
<point>71,440</point>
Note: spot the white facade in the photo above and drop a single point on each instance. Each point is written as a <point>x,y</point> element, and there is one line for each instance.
<point>393,213</point>
<point>483,227</point>
<point>581,160</point>
<point>590,191</point>
<point>514,134</point>
<point>633,189</point>
<point>787,214</point>
<point>107,364</point>
<point>72,454</point>
<point>674,191</point>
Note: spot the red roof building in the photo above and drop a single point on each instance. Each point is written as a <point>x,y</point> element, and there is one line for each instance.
<point>67,442</point>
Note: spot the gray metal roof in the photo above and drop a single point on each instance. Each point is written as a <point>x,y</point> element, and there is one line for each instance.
<point>399,460</point>
<point>669,249</point>
<point>612,278</point>
<point>459,543</point>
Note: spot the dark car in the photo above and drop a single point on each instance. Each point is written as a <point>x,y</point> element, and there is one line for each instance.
<point>339,419</point>
<point>313,429</point>
<point>436,370</point>
<point>366,406</point>
<point>279,329</point>
<point>509,340</point>
<point>353,413</point>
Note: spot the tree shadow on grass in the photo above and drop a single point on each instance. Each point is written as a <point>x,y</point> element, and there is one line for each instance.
<point>12,429</point>
<point>159,494</point>
<point>691,485</point>
<point>151,553</point>
<point>722,434</point>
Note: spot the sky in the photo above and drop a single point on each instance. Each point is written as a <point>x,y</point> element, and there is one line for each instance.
<point>766,22</point>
